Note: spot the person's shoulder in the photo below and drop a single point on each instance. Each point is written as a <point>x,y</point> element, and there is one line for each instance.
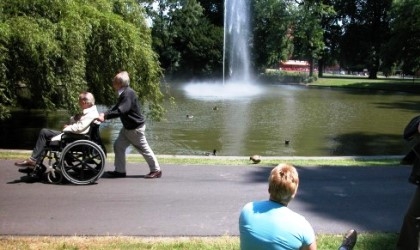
<point>92,110</point>
<point>256,202</point>
<point>247,205</point>
<point>297,216</point>
<point>257,205</point>
<point>130,92</point>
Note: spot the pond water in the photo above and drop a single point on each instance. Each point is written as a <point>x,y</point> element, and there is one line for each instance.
<point>270,120</point>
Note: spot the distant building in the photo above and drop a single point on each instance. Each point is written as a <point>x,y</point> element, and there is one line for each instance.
<point>294,65</point>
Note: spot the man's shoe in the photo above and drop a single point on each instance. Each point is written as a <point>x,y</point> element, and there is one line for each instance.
<point>349,240</point>
<point>25,163</point>
<point>115,174</point>
<point>154,174</point>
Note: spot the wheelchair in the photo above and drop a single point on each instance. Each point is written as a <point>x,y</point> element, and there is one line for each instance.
<point>76,158</point>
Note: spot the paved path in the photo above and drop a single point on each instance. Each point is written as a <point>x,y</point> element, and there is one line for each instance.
<point>200,201</point>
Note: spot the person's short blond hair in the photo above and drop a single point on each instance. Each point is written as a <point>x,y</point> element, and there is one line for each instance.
<point>283,183</point>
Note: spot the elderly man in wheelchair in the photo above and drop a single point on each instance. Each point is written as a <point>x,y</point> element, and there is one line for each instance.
<point>76,153</point>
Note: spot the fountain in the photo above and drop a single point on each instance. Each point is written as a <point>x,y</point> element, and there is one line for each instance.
<point>236,34</point>
<point>237,82</point>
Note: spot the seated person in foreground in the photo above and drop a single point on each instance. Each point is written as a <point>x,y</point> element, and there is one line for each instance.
<point>80,124</point>
<point>270,224</point>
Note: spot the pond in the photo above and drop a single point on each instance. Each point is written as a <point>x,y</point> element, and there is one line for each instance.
<point>269,120</point>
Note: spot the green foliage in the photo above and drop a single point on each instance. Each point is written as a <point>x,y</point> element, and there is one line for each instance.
<point>187,42</point>
<point>200,44</point>
<point>351,34</point>
<point>366,31</point>
<point>5,99</point>
<point>309,31</point>
<point>214,11</point>
<point>403,47</point>
<point>30,67</point>
<point>277,76</point>
<point>272,32</point>
<point>53,49</point>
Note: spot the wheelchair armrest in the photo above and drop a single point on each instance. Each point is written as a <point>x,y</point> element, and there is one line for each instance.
<point>73,136</point>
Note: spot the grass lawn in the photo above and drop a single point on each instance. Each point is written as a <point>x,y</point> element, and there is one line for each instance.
<point>373,241</point>
<point>242,160</point>
<point>386,84</point>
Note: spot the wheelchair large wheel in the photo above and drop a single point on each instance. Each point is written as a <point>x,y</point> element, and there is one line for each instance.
<point>82,162</point>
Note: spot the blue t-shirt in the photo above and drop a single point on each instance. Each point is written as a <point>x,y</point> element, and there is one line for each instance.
<point>270,225</point>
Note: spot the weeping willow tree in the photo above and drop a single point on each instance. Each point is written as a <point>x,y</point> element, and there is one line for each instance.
<point>50,50</point>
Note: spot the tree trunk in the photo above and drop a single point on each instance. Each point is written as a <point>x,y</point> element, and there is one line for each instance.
<point>321,68</point>
<point>311,67</point>
<point>373,73</point>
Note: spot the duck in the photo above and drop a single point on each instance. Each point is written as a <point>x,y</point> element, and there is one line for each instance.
<point>211,153</point>
<point>255,159</point>
<point>190,116</point>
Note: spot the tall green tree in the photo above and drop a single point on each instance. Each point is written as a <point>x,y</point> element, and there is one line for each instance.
<point>187,43</point>
<point>5,95</point>
<point>53,49</point>
<point>403,48</point>
<point>213,10</point>
<point>163,31</point>
<point>199,42</point>
<point>273,27</point>
<point>309,30</point>
<point>367,29</point>
<point>331,25</point>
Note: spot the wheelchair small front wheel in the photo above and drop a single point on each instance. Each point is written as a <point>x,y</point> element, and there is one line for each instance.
<point>54,176</point>
<point>82,162</point>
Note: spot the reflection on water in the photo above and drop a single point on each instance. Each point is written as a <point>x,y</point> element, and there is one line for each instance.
<point>317,122</point>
